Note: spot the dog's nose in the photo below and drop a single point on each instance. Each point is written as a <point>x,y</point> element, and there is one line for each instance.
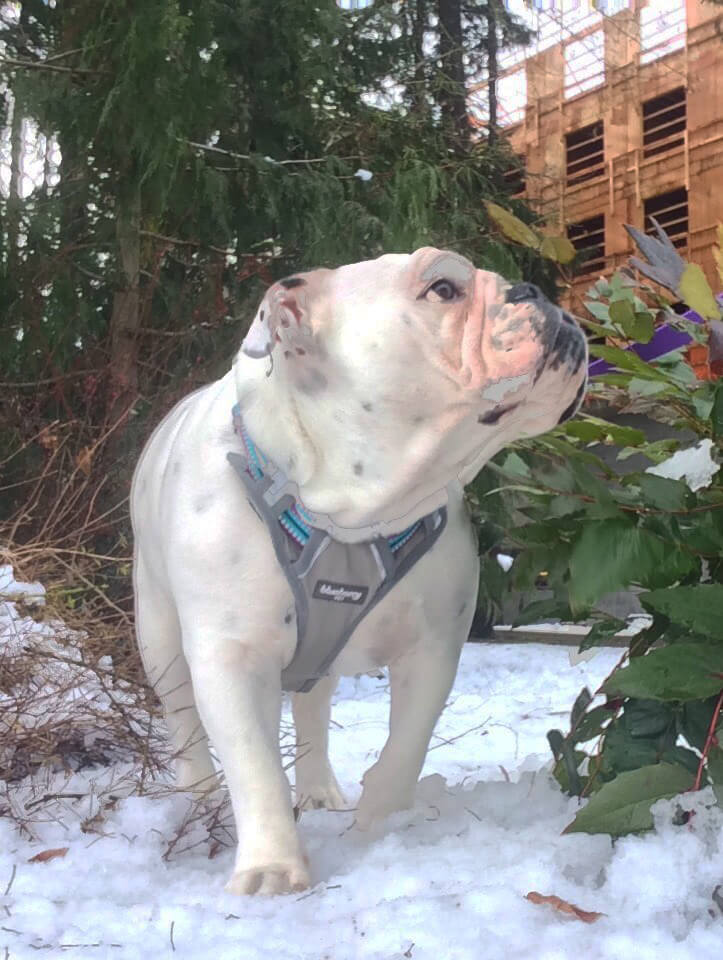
<point>524,291</point>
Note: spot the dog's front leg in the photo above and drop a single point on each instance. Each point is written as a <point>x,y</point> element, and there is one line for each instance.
<point>420,682</point>
<point>238,692</point>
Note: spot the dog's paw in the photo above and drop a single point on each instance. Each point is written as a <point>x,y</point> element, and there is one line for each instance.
<point>325,793</point>
<point>381,796</point>
<point>270,879</point>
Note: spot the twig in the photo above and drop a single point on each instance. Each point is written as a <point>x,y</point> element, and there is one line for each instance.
<point>10,881</point>
<point>56,68</point>
<point>708,742</point>
<point>173,945</point>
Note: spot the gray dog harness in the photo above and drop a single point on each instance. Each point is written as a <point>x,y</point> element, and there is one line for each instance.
<point>334,584</point>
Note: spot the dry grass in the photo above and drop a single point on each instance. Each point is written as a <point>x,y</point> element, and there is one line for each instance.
<point>80,729</point>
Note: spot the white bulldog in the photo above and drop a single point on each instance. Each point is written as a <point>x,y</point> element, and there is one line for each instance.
<point>378,390</point>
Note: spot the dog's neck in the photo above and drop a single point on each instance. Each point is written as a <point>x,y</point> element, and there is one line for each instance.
<point>345,467</point>
<point>350,466</point>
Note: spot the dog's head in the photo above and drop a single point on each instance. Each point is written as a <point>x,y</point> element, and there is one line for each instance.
<point>420,356</point>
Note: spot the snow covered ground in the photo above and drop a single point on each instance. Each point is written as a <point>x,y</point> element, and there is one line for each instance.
<point>446,881</point>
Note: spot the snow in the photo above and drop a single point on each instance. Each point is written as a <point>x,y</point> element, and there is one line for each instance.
<point>445,881</point>
<point>694,465</point>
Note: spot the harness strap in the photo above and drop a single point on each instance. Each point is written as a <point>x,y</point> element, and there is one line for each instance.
<point>334,584</point>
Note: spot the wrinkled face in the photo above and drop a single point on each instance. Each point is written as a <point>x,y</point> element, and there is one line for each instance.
<point>414,335</point>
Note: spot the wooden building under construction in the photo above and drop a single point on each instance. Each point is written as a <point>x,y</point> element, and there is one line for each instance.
<point>618,116</point>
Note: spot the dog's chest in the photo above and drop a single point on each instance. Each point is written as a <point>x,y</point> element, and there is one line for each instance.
<point>388,632</point>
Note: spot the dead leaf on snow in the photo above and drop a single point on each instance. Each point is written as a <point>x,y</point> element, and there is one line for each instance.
<point>46,855</point>
<point>587,916</point>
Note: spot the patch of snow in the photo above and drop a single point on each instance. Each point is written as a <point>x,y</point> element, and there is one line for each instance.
<point>444,881</point>
<point>10,587</point>
<point>694,465</point>
<point>505,561</point>
<point>363,174</point>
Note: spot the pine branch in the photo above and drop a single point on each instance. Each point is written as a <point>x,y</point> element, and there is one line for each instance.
<point>56,68</point>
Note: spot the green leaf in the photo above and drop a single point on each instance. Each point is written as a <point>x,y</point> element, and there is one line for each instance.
<point>591,725</point>
<point>695,290</point>
<point>717,412</point>
<point>623,752</point>
<point>562,506</point>
<point>611,554</point>
<point>662,493</point>
<point>601,311</point>
<point>642,327</point>
<point>623,805</point>
<point>558,249</point>
<point>582,702</point>
<point>645,388</point>
<point>622,312</point>
<point>590,429</point>
<point>512,226</point>
<point>685,671</point>
<point>628,360</point>
<point>715,765</point>
<point>647,718</point>
<point>543,611</point>
<point>696,717</point>
<point>568,759</point>
<point>699,607</point>
<point>600,633</point>
<point>515,466</point>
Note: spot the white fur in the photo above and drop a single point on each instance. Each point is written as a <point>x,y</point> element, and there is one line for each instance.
<point>375,372</point>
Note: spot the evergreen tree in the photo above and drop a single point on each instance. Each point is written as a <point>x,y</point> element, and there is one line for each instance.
<point>195,150</point>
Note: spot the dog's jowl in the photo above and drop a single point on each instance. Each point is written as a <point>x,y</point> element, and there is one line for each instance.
<point>302,518</point>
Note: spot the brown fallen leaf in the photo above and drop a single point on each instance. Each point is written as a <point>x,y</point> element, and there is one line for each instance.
<point>563,906</point>
<point>46,855</point>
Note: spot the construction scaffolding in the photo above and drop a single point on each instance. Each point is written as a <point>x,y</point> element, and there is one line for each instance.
<point>615,110</point>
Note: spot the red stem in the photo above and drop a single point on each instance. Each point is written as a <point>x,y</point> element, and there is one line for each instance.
<point>708,741</point>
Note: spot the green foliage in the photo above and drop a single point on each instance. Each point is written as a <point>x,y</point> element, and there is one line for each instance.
<point>623,806</point>
<point>211,147</point>
<point>655,727</point>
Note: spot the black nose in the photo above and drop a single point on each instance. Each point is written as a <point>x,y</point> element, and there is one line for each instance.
<point>524,291</point>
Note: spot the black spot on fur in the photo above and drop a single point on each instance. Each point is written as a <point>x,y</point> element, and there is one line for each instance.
<point>358,468</point>
<point>568,412</point>
<point>462,609</point>
<point>368,407</point>
<point>288,618</point>
<point>288,283</point>
<point>497,413</point>
<point>315,382</point>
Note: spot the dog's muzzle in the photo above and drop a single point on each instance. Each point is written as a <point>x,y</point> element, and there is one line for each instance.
<point>562,339</point>
<point>564,344</point>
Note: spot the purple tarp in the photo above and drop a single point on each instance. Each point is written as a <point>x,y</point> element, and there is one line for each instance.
<point>665,339</point>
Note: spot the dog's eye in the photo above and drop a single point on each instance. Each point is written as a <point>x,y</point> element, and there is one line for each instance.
<point>442,291</point>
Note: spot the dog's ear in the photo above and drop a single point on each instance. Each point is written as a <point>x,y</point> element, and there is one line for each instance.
<point>283,307</point>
